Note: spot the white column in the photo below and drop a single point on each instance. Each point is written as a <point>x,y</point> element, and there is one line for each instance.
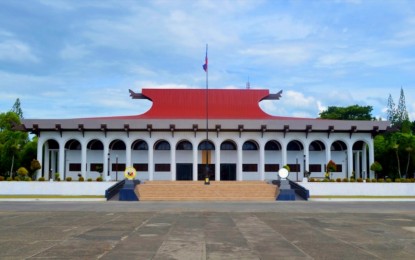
<point>357,162</point>
<point>364,161</point>
<point>150,162</point>
<point>239,165</point>
<point>105,163</point>
<point>40,158</point>
<point>47,166</point>
<point>173,162</point>
<point>371,157</point>
<point>128,155</point>
<point>62,162</point>
<point>307,159</point>
<point>84,166</point>
<point>195,162</point>
<point>261,162</point>
<point>284,154</point>
<point>217,163</point>
<point>349,160</point>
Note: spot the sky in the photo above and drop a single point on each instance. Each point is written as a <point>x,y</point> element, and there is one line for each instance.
<point>75,58</point>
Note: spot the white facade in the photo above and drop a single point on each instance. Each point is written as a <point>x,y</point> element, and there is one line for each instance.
<point>58,150</point>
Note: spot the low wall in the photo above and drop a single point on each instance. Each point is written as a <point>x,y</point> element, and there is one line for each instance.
<point>359,189</point>
<point>54,188</point>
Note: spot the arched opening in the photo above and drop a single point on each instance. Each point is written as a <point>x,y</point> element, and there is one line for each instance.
<point>206,160</point>
<point>229,160</point>
<point>73,159</point>
<point>184,161</point>
<point>273,159</point>
<point>117,159</point>
<point>361,166</point>
<point>317,158</point>
<point>250,159</point>
<point>95,159</point>
<point>296,159</point>
<point>162,160</point>
<point>338,152</point>
<point>139,159</point>
<point>50,159</point>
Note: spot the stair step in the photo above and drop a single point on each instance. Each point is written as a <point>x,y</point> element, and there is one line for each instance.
<point>216,191</point>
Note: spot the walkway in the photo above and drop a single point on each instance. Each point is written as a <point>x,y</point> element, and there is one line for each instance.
<point>207,230</point>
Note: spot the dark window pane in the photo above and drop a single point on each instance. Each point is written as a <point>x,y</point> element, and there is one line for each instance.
<point>162,167</point>
<point>272,167</point>
<point>74,167</point>
<point>250,167</point>
<point>140,167</point>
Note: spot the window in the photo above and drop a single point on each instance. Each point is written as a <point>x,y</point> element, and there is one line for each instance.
<point>140,145</point>
<point>250,167</point>
<point>339,168</point>
<point>294,167</point>
<point>162,145</point>
<point>162,167</point>
<point>118,167</point>
<point>227,145</point>
<point>272,146</point>
<point>249,145</point>
<point>94,167</point>
<point>206,145</point>
<point>184,145</point>
<point>74,167</point>
<point>314,167</point>
<point>141,167</point>
<point>272,167</point>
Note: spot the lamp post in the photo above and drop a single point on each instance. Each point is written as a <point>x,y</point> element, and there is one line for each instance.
<point>304,172</point>
<point>108,168</point>
<point>116,167</point>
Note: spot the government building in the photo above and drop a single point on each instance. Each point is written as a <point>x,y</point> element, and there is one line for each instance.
<point>187,131</point>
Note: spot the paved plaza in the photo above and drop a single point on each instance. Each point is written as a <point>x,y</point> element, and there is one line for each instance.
<point>207,230</point>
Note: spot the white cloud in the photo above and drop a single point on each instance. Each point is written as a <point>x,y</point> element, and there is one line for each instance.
<point>74,52</point>
<point>288,54</point>
<point>16,51</point>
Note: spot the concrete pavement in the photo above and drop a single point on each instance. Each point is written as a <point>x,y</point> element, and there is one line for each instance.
<point>207,230</point>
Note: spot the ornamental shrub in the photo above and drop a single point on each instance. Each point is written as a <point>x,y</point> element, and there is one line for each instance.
<point>41,179</point>
<point>22,171</point>
<point>388,180</point>
<point>89,179</point>
<point>345,180</point>
<point>1,178</point>
<point>352,179</point>
<point>338,180</point>
<point>374,180</point>
<point>331,180</point>
<point>99,179</point>
<point>68,178</point>
<point>367,180</point>
<point>325,180</point>
<point>81,179</point>
<point>312,180</point>
<point>398,180</point>
<point>381,180</point>
<point>359,180</point>
<point>9,179</point>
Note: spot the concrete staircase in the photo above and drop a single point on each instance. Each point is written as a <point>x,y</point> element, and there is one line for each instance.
<point>198,191</point>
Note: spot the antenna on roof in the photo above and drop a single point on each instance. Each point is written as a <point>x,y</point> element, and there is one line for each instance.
<point>248,84</point>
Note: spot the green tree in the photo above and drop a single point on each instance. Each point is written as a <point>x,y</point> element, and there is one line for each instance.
<point>354,112</point>
<point>17,108</point>
<point>11,142</point>
<point>391,110</point>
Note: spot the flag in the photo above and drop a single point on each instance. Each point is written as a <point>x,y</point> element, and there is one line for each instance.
<point>205,66</point>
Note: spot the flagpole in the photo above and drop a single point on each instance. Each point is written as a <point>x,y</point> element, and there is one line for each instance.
<point>207,181</point>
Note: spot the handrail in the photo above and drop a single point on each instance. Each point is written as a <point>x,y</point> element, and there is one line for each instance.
<point>114,189</point>
<point>300,190</point>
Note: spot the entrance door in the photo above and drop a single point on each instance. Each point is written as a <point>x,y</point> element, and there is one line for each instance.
<point>228,172</point>
<point>184,172</point>
<point>201,172</point>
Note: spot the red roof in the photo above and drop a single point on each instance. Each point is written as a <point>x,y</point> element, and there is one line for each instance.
<point>191,104</point>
